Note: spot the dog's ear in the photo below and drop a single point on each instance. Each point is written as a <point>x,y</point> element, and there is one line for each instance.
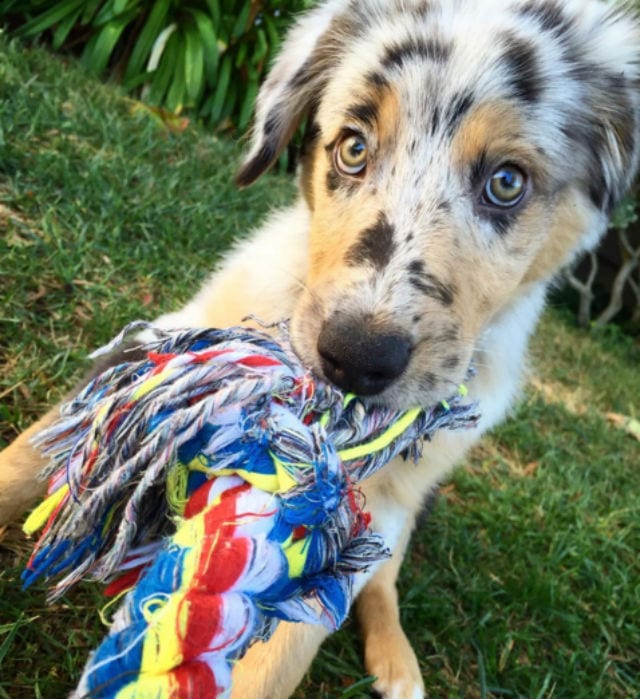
<point>293,85</point>
<point>606,125</point>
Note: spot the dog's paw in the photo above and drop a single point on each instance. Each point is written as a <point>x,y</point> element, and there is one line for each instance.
<point>395,666</point>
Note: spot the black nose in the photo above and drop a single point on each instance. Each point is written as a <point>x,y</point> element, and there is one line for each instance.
<point>360,359</point>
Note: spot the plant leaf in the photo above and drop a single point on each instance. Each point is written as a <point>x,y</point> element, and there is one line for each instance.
<point>107,13</point>
<point>89,10</point>
<point>64,27</point>
<point>241,55</point>
<point>162,75</point>
<point>193,64</point>
<point>209,42</point>
<point>214,11</point>
<point>177,87</point>
<point>262,47</point>
<point>119,6</point>
<point>98,51</point>
<point>221,89</point>
<point>247,103</point>
<point>49,18</point>
<point>272,31</point>
<point>153,26</point>
<point>241,22</point>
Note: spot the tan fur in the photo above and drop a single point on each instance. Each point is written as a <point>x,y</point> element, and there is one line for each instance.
<point>569,220</point>
<point>388,653</point>
<point>20,464</point>
<point>494,125</point>
<point>389,111</point>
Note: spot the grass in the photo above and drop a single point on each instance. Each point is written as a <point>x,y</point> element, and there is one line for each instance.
<point>524,582</point>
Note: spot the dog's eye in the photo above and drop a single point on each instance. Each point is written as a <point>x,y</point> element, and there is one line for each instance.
<point>506,187</point>
<point>351,154</point>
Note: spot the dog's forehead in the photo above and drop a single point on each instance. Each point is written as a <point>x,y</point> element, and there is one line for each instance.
<point>463,52</point>
<point>454,54</point>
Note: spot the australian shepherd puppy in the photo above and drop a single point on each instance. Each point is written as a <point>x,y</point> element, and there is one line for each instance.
<point>457,154</point>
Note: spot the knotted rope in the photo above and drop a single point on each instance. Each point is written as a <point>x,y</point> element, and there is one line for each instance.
<point>215,480</point>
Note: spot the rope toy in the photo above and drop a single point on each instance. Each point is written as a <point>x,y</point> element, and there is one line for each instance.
<point>214,484</point>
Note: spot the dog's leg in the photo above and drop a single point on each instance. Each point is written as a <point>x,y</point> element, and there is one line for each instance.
<point>20,464</point>
<point>274,669</point>
<point>387,653</point>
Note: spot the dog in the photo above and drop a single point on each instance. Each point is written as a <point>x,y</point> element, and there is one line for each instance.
<point>457,153</point>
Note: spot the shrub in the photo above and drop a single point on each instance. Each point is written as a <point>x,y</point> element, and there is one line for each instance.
<point>204,55</point>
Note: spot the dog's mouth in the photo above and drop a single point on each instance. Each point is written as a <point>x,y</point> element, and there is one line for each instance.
<point>392,382</point>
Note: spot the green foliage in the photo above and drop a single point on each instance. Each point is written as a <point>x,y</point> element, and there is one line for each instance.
<point>626,213</point>
<point>207,56</point>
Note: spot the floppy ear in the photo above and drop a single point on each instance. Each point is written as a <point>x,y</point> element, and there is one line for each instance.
<point>609,128</point>
<point>293,85</point>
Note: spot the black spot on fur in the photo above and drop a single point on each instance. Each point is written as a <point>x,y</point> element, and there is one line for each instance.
<point>271,123</point>
<point>409,237</point>
<point>444,207</point>
<point>377,79</point>
<point>591,139</point>
<point>501,221</point>
<point>253,168</point>
<point>478,171</point>
<point>330,146</point>
<point>416,318</point>
<point>448,335</point>
<point>310,137</point>
<point>416,267</point>
<point>312,128</point>
<point>598,190</point>
<point>549,15</point>
<point>355,23</point>
<point>333,180</point>
<point>460,105</point>
<point>419,11</point>
<point>431,286</point>
<point>521,62</point>
<point>302,75</point>
<point>413,49</point>
<point>451,362</point>
<point>427,381</point>
<point>366,112</point>
<point>375,246</point>
<point>427,507</point>
<point>609,121</point>
<point>435,120</point>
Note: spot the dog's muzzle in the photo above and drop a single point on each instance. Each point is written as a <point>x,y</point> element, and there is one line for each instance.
<point>359,357</point>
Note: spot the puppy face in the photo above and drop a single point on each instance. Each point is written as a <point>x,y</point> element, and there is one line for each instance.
<point>456,154</point>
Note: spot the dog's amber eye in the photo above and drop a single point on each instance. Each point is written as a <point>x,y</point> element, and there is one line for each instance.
<point>351,154</point>
<point>506,187</point>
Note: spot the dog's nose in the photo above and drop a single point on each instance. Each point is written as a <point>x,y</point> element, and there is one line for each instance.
<point>359,359</point>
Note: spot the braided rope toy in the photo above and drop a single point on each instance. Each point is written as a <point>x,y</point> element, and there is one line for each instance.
<point>214,483</point>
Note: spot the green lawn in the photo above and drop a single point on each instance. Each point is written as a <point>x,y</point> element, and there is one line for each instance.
<point>525,581</point>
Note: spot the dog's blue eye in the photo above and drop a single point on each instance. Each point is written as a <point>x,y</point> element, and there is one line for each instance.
<point>506,187</point>
<point>351,155</point>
